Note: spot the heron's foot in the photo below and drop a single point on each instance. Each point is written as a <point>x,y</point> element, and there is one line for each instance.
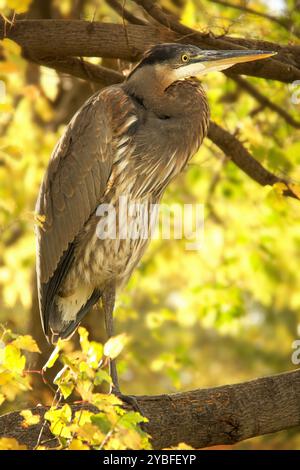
<point>128,399</point>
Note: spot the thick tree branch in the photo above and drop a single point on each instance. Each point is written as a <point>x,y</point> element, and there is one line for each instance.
<point>208,41</point>
<point>229,144</point>
<point>200,418</point>
<point>236,151</point>
<point>81,69</point>
<point>61,38</point>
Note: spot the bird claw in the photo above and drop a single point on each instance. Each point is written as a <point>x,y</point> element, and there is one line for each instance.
<point>129,400</point>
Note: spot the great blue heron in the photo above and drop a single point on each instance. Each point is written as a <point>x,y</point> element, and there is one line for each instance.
<point>128,140</point>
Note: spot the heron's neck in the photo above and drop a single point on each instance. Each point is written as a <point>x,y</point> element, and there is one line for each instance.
<point>151,89</point>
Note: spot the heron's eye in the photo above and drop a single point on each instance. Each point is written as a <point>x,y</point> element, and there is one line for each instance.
<point>185,58</point>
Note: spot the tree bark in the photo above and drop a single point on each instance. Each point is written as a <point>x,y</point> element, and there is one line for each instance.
<point>200,418</point>
<point>64,38</point>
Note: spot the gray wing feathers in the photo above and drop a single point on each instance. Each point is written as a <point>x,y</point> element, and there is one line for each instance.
<point>75,180</point>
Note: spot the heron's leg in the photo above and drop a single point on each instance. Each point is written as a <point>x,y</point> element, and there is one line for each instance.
<point>108,302</point>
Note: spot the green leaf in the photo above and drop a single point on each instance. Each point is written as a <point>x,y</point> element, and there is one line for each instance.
<point>102,376</point>
<point>131,419</point>
<point>29,418</point>
<point>102,422</point>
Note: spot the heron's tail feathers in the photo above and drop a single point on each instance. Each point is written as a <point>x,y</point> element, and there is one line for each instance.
<point>68,312</point>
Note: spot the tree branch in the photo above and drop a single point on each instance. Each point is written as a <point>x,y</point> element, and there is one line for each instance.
<point>78,38</point>
<point>281,21</point>
<point>81,69</point>
<point>208,40</point>
<point>124,13</point>
<point>229,144</point>
<point>200,418</point>
<point>263,100</point>
<point>242,158</point>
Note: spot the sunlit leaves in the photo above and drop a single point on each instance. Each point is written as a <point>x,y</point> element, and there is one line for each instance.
<point>77,444</point>
<point>65,379</point>
<point>195,318</point>
<point>11,47</point>
<point>27,343</point>
<point>281,188</point>
<point>13,379</point>
<point>54,356</point>
<point>9,443</point>
<point>115,345</point>
<point>93,350</point>
<point>108,425</point>
<point>18,6</point>
<point>131,419</point>
<point>60,419</point>
<point>29,419</point>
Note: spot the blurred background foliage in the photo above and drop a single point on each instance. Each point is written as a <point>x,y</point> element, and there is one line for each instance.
<point>226,313</point>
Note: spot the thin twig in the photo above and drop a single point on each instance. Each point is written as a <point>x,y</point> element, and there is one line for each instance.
<point>124,13</point>
<point>285,22</point>
<point>263,100</point>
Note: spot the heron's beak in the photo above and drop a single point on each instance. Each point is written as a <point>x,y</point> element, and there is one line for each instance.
<point>210,61</point>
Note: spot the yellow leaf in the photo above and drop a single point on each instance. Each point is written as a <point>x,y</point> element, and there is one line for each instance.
<point>11,46</point>
<point>54,356</point>
<point>29,418</point>
<point>2,398</point>
<point>13,359</point>
<point>27,343</point>
<point>5,377</point>
<point>6,108</point>
<point>76,444</point>
<point>8,67</point>
<point>65,381</point>
<point>60,420</point>
<point>180,446</point>
<point>189,13</point>
<point>89,432</point>
<point>19,6</point>
<point>115,345</point>
<point>8,443</point>
<point>104,401</point>
<point>280,188</point>
<point>83,338</point>
<point>31,92</point>
<point>295,188</point>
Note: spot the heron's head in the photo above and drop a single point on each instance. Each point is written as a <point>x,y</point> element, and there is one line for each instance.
<point>171,62</point>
